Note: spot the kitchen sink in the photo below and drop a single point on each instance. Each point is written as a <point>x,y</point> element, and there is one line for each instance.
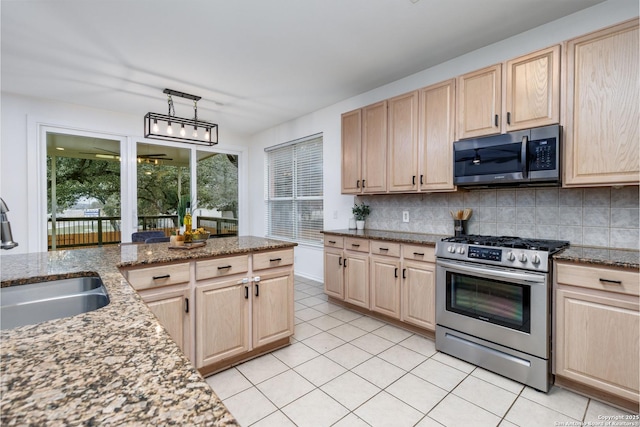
<point>54,299</point>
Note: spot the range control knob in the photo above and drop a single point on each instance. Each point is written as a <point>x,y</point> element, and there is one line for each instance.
<point>522,258</point>
<point>535,259</point>
<point>511,256</point>
<point>451,249</point>
<point>461,250</point>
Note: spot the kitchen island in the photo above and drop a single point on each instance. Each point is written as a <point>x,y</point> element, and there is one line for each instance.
<point>112,366</point>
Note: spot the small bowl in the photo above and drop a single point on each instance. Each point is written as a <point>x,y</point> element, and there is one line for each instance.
<point>200,237</point>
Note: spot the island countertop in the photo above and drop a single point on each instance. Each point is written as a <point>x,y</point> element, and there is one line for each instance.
<point>112,366</point>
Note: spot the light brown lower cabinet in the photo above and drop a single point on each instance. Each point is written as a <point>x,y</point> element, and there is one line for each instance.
<point>171,306</point>
<point>597,329</point>
<point>223,309</point>
<point>393,279</point>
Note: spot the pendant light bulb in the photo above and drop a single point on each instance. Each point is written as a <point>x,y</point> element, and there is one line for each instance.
<point>182,131</point>
<point>206,134</point>
<point>169,129</point>
<point>155,126</point>
<point>195,131</point>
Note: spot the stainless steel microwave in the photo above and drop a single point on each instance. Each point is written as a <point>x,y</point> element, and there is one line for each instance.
<point>521,158</point>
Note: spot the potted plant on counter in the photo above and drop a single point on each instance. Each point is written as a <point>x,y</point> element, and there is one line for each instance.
<point>360,212</point>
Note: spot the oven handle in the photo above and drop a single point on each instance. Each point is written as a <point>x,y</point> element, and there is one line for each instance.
<point>483,272</point>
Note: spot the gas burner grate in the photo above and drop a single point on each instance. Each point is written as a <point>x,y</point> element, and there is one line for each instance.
<point>510,242</point>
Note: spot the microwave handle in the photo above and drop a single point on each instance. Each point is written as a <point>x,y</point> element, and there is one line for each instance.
<point>523,155</point>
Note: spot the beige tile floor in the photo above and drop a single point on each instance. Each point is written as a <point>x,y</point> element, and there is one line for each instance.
<point>346,369</point>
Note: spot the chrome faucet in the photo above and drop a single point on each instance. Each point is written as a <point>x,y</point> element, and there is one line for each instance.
<point>5,228</point>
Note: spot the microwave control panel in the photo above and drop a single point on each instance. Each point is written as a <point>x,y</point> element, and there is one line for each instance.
<point>542,154</point>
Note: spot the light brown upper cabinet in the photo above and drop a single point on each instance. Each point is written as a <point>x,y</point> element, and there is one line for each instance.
<point>531,98</point>
<point>364,150</point>
<point>374,148</point>
<point>533,90</point>
<point>479,102</point>
<point>352,152</point>
<point>600,108</point>
<point>436,136</point>
<point>403,142</point>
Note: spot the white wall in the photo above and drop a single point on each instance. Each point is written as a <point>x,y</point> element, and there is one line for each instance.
<point>20,119</point>
<point>337,208</point>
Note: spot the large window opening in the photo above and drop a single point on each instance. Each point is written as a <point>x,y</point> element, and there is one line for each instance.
<point>83,191</point>
<point>294,190</point>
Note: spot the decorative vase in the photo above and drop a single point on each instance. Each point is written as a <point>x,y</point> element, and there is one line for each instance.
<point>360,225</point>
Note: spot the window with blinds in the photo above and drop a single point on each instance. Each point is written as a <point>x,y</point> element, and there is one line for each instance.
<point>293,190</point>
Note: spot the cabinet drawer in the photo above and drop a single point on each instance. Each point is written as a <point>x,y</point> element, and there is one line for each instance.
<point>272,259</point>
<point>163,275</point>
<point>221,267</point>
<point>334,241</point>
<point>419,253</point>
<point>360,245</point>
<point>606,279</point>
<point>385,248</point>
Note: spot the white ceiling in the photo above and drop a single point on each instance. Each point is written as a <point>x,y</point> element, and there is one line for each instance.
<point>256,63</point>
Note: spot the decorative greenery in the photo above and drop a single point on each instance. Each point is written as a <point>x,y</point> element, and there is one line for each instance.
<point>182,207</point>
<point>360,212</point>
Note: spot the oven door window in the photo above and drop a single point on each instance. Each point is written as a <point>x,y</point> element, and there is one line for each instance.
<point>502,303</point>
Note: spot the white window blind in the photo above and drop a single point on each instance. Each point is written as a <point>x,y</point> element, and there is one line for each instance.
<point>293,190</point>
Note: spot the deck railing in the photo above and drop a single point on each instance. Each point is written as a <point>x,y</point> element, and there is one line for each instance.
<point>77,232</point>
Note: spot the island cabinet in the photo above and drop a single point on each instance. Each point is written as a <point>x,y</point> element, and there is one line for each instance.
<point>531,86</point>
<point>165,289</point>
<point>225,309</point>
<point>241,309</point>
<point>600,107</point>
<point>597,331</point>
<point>391,279</point>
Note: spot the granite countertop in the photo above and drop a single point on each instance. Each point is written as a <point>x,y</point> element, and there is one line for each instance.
<point>624,258</point>
<point>392,236</point>
<point>112,366</point>
<point>612,257</point>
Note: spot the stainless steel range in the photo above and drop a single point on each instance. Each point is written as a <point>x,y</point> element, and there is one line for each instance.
<point>493,304</point>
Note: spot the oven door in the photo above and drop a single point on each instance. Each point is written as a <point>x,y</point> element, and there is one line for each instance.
<point>506,306</point>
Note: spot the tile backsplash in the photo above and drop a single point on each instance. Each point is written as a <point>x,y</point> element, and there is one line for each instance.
<point>606,217</point>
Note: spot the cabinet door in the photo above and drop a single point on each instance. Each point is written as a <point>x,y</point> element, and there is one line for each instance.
<point>479,103</point>
<point>273,307</point>
<point>597,340</point>
<point>171,307</point>
<point>222,321</point>
<point>385,286</point>
<point>351,153</point>
<point>602,109</point>
<point>419,294</point>
<point>374,148</point>
<point>356,279</point>
<point>403,142</point>
<point>437,136</point>
<point>333,273</point>
<point>533,90</point>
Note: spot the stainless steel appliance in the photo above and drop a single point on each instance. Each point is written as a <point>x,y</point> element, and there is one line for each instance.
<point>518,158</point>
<point>493,304</point>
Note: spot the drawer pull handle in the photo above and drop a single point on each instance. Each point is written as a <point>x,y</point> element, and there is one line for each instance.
<point>614,282</point>
<point>345,263</point>
<point>224,267</point>
<point>186,305</point>
<point>340,261</point>
<point>421,179</point>
<point>164,276</point>
<point>396,273</point>
<point>404,273</point>
<point>496,120</point>
<point>333,242</point>
<point>246,292</point>
<point>275,259</point>
<point>384,249</point>
<point>257,290</point>
<point>355,245</point>
<point>418,253</point>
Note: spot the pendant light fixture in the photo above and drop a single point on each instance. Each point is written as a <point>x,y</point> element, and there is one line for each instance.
<point>169,127</point>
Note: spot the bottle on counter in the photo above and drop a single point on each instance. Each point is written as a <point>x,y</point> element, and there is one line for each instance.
<point>187,218</point>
